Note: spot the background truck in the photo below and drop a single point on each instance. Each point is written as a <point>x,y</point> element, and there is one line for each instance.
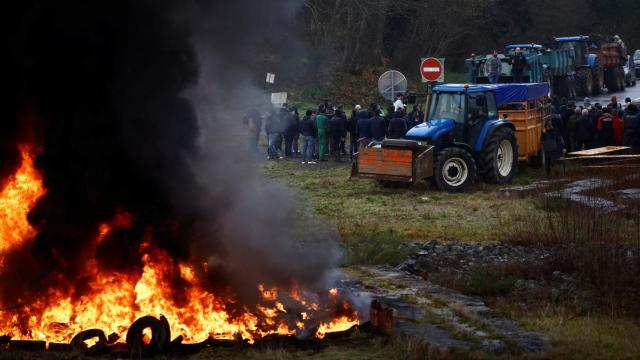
<point>554,66</point>
<point>463,138</point>
<point>597,67</point>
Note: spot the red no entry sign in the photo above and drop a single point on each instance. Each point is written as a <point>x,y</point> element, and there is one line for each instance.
<point>432,69</point>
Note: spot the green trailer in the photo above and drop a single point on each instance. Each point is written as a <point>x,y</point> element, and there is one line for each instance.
<point>555,67</point>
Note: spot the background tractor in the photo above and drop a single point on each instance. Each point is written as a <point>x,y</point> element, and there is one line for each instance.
<point>596,66</point>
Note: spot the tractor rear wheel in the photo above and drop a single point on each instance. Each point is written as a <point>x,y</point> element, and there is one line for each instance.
<point>584,82</point>
<point>455,170</point>
<point>499,160</point>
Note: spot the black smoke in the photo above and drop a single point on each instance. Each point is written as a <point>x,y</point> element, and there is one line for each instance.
<point>140,102</point>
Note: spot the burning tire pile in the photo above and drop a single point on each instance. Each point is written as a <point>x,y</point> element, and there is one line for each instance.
<point>156,341</point>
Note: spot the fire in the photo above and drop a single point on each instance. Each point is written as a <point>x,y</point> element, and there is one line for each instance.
<point>16,199</point>
<point>115,300</point>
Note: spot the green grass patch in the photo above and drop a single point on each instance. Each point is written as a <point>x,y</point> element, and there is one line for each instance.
<point>373,220</point>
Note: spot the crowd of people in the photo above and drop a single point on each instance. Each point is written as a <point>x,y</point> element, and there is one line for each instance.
<point>575,128</point>
<point>323,131</point>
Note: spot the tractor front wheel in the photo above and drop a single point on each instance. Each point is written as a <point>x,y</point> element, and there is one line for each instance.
<point>500,157</point>
<point>455,170</point>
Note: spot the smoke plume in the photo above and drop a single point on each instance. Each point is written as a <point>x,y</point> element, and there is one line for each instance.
<point>141,104</point>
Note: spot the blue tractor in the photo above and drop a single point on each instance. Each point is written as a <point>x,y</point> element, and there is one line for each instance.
<point>589,66</point>
<point>462,139</point>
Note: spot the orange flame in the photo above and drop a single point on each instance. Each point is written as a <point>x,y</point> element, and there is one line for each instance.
<point>16,199</point>
<point>115,300</point>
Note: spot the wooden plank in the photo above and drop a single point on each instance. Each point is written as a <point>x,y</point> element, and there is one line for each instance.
<point>599,151</point>
<point>601,157</point>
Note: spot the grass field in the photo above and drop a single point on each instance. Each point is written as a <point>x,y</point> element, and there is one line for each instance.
<point>378,225</point>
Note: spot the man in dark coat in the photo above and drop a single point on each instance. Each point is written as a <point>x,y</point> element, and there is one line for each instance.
<point>397,126</point>
<point>364,125</point>
<point>340,112</point>
<point>518,63</point>
<point>352,128</point>
<point>290,131</point>
<point>631,135</point>
<point>416,116</point>
<point>553,145</point>
<point>336,131</point>
<point>585,131</point>
<point>378,127</point>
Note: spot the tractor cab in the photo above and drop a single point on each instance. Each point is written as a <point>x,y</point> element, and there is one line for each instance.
<point>457,113</point>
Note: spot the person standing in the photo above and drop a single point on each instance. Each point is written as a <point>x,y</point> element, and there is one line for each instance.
<point>631,136</point>
<point>398,104</point>
<point>296,127</point>
<point>364,126</point>
<point>618,127</point>
<point>553,146</point>
<point>493,68</point>
<point>272,127</point>
<point>322,124</point>
<point>343,135</point>
<point>416,116</point>
<point>309,132</point>
<point>572,127</point>
<point>397,126</point>
<point>605,128</point>
<point>352,128</point>
<point>613,104</point>
<point>584,131</point>
<point>378,128</point>
<point>253,122</point>
<point>289,132</point>
<point>518,62</point>
<point>336,131</point>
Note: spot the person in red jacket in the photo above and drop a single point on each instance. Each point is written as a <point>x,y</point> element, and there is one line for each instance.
<point>618,127</point>
<point>605,128</point>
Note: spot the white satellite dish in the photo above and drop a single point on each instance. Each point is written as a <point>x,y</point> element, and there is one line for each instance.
<point>392,83</point>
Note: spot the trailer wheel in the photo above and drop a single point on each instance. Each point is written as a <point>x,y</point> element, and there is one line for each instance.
<point>584,82</point>
<point>455,170</point>
<point>499,160</point>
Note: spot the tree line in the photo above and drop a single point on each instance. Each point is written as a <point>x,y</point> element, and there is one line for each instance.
<point>355,34</point>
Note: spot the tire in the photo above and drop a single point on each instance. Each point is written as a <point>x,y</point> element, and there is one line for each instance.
<point>597,76</point>
<point>499,159</point>
<point>455,170</point>
<point>584,82</point>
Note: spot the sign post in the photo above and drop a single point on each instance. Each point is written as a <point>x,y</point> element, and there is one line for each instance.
<point>432,71</point>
